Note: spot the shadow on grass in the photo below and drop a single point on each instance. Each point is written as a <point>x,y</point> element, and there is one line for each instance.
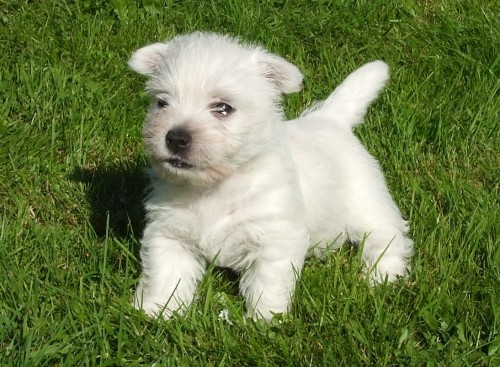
<point>115,194</point>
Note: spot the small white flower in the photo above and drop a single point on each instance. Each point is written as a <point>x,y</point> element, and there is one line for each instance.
<point>224,315</point>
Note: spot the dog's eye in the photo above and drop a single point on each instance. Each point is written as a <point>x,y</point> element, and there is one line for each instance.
<point>161,103</point>
<point>222,109</point>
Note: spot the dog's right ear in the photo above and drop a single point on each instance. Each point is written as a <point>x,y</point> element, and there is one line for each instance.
<point>145,59</point>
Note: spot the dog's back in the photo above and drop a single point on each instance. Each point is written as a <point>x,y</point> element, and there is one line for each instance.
<point>343,187</point>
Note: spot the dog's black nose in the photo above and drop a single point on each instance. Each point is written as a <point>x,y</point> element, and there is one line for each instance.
<point>178,140</point>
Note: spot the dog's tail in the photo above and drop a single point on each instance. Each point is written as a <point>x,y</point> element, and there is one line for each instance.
<point>348,103</point>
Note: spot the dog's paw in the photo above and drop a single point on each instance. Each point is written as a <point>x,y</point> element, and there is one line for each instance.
<point>388,268</point>
<point>156,307</point>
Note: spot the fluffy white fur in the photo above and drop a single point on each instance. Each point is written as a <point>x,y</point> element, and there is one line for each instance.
<point>241,187</point>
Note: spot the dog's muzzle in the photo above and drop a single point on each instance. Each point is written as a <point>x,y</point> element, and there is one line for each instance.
<point>178,142</point>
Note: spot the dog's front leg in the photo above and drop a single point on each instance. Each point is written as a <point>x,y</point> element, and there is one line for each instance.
<point>170,274</point>
<point>268,285</point>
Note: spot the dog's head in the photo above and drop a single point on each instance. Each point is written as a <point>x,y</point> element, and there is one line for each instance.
<point>215,103</point>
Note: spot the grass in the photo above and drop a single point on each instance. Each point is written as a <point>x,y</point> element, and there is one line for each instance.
<point>71,184</point>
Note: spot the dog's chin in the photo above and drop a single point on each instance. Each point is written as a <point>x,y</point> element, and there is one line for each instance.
<point>177,170</point>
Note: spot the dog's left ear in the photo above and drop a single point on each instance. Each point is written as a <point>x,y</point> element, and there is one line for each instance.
<point>286,76</point>
<point>145,60</point>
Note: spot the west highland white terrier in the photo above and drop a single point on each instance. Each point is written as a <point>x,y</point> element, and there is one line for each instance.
<point>236,185</point>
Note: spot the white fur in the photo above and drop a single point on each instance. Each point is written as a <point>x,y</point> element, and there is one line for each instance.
<point>259,193</point>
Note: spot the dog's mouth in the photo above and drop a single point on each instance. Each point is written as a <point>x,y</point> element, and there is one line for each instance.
<point>179,163</point>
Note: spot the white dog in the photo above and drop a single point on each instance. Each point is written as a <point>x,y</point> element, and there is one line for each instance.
<point>237,185</point>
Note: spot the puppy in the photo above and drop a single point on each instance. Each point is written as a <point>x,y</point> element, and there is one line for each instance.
<point>235,185</point>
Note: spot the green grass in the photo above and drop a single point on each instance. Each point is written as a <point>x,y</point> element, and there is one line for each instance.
<point>71,184</point>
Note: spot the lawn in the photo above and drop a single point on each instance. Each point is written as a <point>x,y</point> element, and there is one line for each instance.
<point>72,180</point>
